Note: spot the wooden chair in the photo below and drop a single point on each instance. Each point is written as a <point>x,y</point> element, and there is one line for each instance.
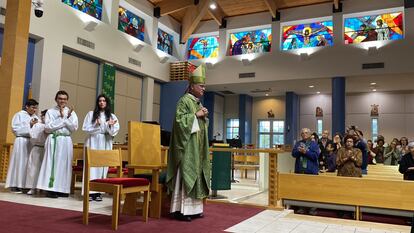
<point>77,166</point>
<point>116,186</point>
<point>146,159</point>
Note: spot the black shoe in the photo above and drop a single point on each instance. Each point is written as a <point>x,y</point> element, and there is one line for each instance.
<point>50,194</point>
<point>15,190</point>
<point>197,215</point>
<point>62,194</point>
<point>98,197</point>
<point>179,216</point>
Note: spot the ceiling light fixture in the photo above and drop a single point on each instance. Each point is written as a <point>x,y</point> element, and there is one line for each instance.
<point>213,6</point>
<point>372,84</point>
<point>318,92</point>
<point>374,90</point>
<point>311,86</point>
<point>266,94</point>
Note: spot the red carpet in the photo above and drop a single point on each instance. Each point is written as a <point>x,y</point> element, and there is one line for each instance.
<point>20,218</point>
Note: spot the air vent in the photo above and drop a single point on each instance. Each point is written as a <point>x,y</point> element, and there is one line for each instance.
<point>2,11</point>
<point>86,43</point>
<point>247,75</point>
<point>134,62</point>
<point>227,92</point>
<point>261,90</point>
<point>379,65</point>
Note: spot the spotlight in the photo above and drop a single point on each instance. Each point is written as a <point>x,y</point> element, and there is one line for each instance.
<point>138,48</point>
<point>304,56</point>
<point>246,62</point>
<point>90,26</point>
<point>213,6</point>
<point>163,60</point>
<point>372,51</point>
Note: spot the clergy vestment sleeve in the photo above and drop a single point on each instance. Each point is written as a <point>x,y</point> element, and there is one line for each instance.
<point>184,119</point>
<point>196,126</point>
<point>90,127</point>
<point>36,132</point>
<point>72,122</point>
<point>20,125</point>
<point>114,129</point>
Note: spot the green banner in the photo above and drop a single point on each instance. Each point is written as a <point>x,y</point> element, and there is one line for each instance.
<point>108,83</point>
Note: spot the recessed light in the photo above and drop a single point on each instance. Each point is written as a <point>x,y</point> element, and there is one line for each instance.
<point>311,86</point>
<point>266,94</point>
<point>318,92</point>
<point>213,6</point>
<point>374,89</point>
<point>372,84</point>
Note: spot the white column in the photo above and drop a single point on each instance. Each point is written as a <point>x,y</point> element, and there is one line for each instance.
<point>147,99</point>
<point>276,37</point>
<point>222,43</point>
<point>46,71</point>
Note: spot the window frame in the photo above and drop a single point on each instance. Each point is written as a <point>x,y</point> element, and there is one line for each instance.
<point>272,133</point>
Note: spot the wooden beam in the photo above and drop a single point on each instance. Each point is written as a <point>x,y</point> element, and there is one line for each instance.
<point>13,64</point>
<point>170,6</point>
<point>217,14</point>
<point>336,4</point>
<point>271,5</point>
<point>192,18</point>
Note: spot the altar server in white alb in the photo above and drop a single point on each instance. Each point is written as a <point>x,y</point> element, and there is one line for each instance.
<point>56,171</point>
<point>21,124</point>
<point>101,125</point>
<point>37,139</point>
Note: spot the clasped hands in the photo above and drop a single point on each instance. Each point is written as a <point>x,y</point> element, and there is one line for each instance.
<point>203,112</point>
<point>110,122</point>
<point>62,111</point>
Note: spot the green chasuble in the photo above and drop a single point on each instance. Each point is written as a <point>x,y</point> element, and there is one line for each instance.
<point>189,151</point>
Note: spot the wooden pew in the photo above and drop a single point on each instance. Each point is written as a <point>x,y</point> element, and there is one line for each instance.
<point>356,192</point>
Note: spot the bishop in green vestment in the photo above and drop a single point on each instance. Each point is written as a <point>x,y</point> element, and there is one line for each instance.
<point>188,174</point>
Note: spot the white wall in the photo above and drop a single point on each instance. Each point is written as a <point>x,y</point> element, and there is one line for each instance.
<point>61,25</point>
<point>307,116</point>
<point>231,109</point>
<point>396,112</point>
<point>261,105</point>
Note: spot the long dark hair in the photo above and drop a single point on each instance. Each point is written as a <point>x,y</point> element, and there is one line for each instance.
<point>97,110</point>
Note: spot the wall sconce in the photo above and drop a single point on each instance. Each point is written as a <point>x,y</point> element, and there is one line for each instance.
<point>246,62</point>
<point>304,57</point>
<point>90,26</point>
<point>372,51</point>
<point>138,48</point>
<point>164,60</point>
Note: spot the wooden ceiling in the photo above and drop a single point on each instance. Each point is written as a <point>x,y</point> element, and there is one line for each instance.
<point>243,7</point>
<point>190,12</point>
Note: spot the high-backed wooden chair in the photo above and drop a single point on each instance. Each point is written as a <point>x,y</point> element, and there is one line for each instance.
<point>77,166</point>
<point>117,186</point>
<point>145,159</point>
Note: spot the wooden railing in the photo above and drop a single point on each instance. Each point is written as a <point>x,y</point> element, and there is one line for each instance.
<point>6,150</point>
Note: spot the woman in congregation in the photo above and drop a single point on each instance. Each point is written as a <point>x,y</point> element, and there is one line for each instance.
<point>101,125</point>
<point>337,139</point>
<point>403,147</point>
<point>349,159</point>
<point>372,152</point>
<point>407,163</point>
<point>391,154</point>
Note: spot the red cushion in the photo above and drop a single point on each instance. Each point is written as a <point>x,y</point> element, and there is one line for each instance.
<point>77,168</point>
<point>125,182</point>
<point>114,170</point>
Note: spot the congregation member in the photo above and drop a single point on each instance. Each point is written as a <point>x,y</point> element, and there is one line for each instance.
<point>21,124</point>
<point>101,126</point>
<point>330,154</point>
<point>372,152</point>
<point>323,142</point>
<point>349,159</point>
<point>407,163</point>
<point>56,170</point>
<point>391,154</point>
<point>37,139</point>
<point>337,139</point>
<point>306,154</point>
<point>362,145</point>
<point>380,148</point>
<point>403,147</point>
<point>188,173</point>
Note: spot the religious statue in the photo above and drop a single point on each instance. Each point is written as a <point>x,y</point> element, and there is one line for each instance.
<point>319,112</point>
<point>374,110</point>
<point>270,114</point>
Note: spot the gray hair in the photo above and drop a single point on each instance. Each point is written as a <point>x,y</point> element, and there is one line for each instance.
<point>305,130</point>
<point>411,145</point>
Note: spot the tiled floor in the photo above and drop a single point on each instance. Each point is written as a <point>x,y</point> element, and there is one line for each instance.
<point>270,221</point>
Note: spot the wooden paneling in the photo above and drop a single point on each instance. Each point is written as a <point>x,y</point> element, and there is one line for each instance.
<point>243,7</point>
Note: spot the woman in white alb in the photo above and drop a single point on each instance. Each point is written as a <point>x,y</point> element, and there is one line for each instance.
<point>101,125</point>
